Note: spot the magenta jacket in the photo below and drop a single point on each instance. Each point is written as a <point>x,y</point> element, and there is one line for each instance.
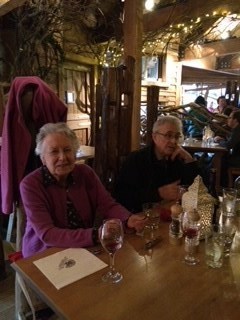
<point>16,139</point>
<point>46,209</point>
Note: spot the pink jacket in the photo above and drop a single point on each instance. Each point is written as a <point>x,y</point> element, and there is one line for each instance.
<point>46,210</point>
<point>17,140</point>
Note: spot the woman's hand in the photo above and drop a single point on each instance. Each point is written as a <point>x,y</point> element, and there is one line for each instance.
<point>137,222</point>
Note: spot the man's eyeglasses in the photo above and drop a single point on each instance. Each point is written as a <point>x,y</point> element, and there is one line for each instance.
<point>170,136</point>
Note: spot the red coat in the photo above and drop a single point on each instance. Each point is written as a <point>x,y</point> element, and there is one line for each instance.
<point>16,138</point>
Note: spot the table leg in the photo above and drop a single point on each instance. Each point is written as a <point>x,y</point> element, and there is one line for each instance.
<point>217,165</point>
<point>3,274</point>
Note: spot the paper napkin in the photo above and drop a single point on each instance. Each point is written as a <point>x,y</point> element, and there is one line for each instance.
<point>68,266</point>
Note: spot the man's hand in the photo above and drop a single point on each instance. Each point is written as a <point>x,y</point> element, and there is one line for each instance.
<point>182,154</point>
<point>169,191</point>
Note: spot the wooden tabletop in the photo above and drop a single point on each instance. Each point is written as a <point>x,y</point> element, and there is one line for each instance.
<point>85,152</point>
<point>156,285</point>
<point>200,146</point>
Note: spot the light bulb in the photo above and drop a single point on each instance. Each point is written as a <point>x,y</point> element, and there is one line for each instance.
<point>149,4</point>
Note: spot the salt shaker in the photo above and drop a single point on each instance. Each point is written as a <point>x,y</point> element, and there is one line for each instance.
<point>175,227</point>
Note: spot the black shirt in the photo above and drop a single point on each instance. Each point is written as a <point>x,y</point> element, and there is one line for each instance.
<point>142,174</point>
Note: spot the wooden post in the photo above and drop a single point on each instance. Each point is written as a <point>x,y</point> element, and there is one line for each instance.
<point>114,98</point>
<point>132,28</point>
<point>152,109</point>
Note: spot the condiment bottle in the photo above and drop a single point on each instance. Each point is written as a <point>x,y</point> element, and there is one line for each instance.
<point>175,227</point>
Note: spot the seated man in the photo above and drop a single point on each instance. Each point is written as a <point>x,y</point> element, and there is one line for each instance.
<point>154,173</point>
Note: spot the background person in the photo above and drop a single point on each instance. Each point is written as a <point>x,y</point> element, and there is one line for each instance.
<point>232,142</point>
<point>153,173</point>
<point>194,127</point>
<point>223,109</point>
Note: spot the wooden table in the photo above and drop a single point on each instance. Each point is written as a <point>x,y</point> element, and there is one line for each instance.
<point>199,146</point>
<point>156,285</point>
<point>86,153</point>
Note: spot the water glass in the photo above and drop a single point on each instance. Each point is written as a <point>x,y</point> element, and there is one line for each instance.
<point>229,201</point>
<point>229,228</point>
<point>151,211</point>
<point>214,246</point>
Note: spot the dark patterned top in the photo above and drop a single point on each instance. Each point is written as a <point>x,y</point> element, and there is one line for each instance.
<point>74,221</point>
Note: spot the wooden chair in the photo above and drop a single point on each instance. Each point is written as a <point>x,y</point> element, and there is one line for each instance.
<point>233,173</point>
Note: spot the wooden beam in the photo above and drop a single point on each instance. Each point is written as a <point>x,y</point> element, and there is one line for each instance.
<point>217,48</point>
<point>133,47</point>
<point>205,76</point>
<point>188,9</point>
<point>8,5</point>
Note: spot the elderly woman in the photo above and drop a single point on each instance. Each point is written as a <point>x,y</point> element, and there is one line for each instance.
<point>63,200</point>
<point>154,173</point>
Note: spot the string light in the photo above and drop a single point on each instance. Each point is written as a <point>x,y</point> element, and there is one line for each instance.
<point>185,34</point>
<point>149,5</point>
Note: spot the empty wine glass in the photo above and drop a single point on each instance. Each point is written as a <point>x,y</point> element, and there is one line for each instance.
<point>111,237</point>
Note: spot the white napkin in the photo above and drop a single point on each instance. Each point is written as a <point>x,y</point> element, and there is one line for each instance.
<point>68,266</point>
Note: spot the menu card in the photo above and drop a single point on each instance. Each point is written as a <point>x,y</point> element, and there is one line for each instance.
<point>68,266</point>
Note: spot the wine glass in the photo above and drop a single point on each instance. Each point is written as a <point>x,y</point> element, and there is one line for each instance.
<point>111,237</point>
<point>191,232</point>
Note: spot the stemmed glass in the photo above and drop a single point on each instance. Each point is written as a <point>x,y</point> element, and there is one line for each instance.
<point>191,233</point>
<point>111,237</point>
<point>229,229</point>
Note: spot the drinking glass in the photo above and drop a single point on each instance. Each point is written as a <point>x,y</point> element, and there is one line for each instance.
<point>229,201</point>
<point>191,233</point>
<point>151,211</point>
<point>182,189</point>
<point>111,237</point>
<point>229,228</point>
<point>214,246</point>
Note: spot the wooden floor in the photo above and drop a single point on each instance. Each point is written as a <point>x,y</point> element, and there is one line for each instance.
<point>7,290</point>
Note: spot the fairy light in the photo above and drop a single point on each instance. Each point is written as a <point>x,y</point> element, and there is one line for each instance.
<point>174,35</point>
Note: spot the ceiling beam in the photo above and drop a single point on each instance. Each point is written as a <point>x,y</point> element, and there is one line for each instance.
<point>8,5</point>
<point>190,74</point>
<point>186,10</point>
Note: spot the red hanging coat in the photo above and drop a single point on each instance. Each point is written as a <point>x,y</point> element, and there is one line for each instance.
<point>16,138</point>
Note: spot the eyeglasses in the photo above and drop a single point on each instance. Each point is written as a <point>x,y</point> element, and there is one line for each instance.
<point>170,136</point>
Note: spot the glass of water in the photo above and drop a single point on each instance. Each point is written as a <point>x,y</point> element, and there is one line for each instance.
<point>214,246</point>
<point>229,201</point>
<point>151,211</point>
